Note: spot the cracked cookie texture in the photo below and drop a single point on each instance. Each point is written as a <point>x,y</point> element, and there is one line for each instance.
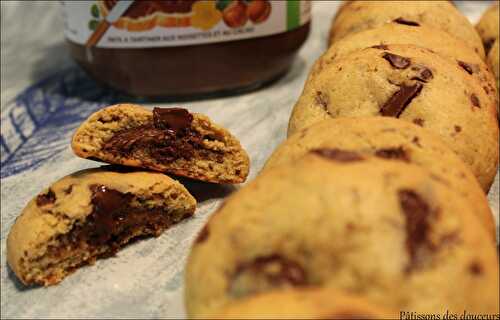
<point>91,214</point>
<point>413,84</point>
<point>357,16</point>
<point>392,139</point>
<point>384,231</point>
<point>170,140</point>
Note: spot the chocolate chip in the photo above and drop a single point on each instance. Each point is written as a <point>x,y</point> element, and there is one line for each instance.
<point>396,61</point>
<point>380,46</point>
<point>419,122</point>
<point>401,20</point>
<point>203,235</point>
<point>107,204</point>
<point>475,101</point>
<point>323,100</point>
<point>338,155</point>
<point>475,268</point>
<point>469,68</point>
<point>416,211</point>
<point>45,199</point>
<point>424,74</point>
<point>416,141</point>
<point>488,43</point>
<point>172,118</point>
<point>457,129</point>
<point>68,190</point>
<point>400,100</point>
<point>393,153</point>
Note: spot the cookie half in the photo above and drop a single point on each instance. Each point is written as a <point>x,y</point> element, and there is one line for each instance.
<point>88,215</point>
<point>308,303</point>
<point>423,36</point>
<point>442,15</point>
<point>392,139</point>
<point>413,84</point>
<point>388,231</point>
<point>170,140</point>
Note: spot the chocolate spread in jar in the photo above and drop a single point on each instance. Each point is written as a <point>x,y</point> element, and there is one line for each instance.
<point>229,56</point>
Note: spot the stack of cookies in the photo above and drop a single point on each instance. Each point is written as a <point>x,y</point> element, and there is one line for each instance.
<point>375,206</point>
<point>93,213</point>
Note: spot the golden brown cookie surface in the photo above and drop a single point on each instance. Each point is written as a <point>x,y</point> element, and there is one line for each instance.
<point>412,84</point>
<point>392,139</point>
<point>386,230</point>
<point>361,15</point>
<point>423,36</point>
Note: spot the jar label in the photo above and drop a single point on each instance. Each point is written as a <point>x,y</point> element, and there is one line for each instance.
<point>141,24</point>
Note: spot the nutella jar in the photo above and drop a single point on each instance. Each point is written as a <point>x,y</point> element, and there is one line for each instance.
<point>185,48</point>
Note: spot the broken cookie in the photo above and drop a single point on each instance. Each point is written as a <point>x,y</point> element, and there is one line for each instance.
<point>88,215</point>
<point>170,140</point>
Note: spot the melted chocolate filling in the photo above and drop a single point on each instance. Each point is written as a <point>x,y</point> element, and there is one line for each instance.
<point>112,222</point>
<point>168,138</point>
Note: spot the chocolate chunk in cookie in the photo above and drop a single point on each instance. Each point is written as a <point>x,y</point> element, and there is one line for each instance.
<point>406,22</point>
<point>396,61</point>
<point>338,155</point>
<point>400,100</point>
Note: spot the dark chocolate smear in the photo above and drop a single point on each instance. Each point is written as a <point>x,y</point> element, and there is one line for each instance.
<point>401,20</point>
<point>172,118</point>
<point>338,155</point>
<point>419,122</point>
<point>416,211</point>
<point>400,100</point>
<point>203,235</point>
<point>469,68</point>
<point>475,101</point>
<point>46,198</point>
<point>476,268</point>
<point>108,211</point>
<point>396,61</point>
<point>393,153</point>
<point>164,145</point>
<point>488,44</point>
<point>424,74</point>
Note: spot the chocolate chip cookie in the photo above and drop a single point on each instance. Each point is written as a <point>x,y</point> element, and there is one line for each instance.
<point>488,26</point>
<point>170,140</point>
<point>413,84</point>
<point>88,215</point>
<point>361,15</point>
<point>434,39</point>
<point>493,57</point>
<point>392,139</point>
<point>304,303</point>
<point>388,231</point>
